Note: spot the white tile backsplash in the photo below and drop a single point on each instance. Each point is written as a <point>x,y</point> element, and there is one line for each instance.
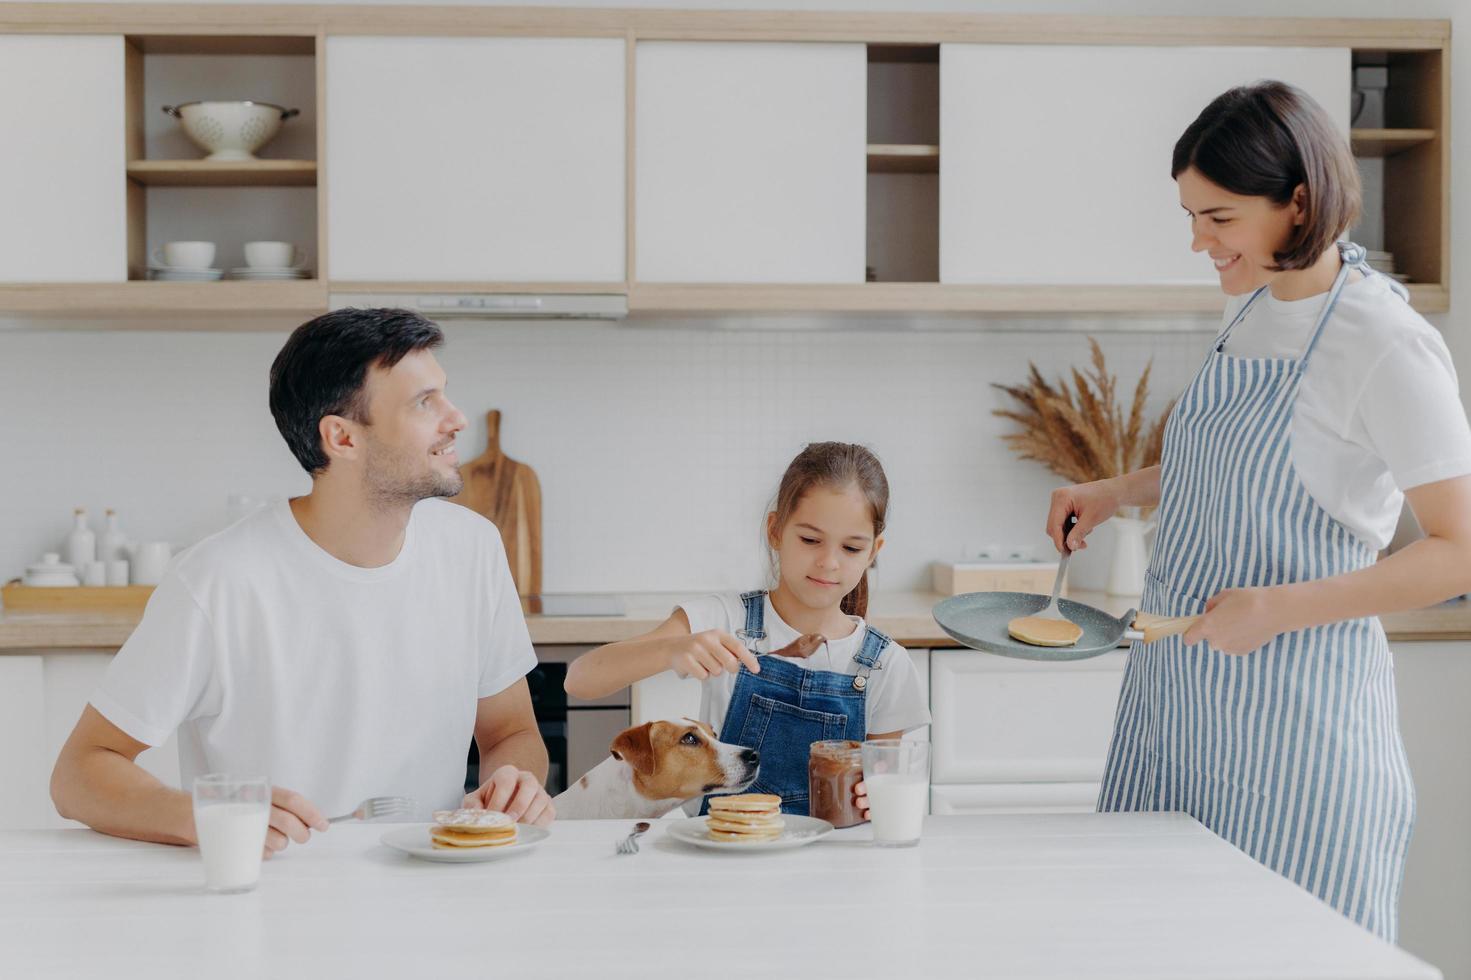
<point>658,446</point>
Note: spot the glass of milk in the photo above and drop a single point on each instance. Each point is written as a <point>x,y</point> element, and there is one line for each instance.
<point>896,774</point>
<point>230,817</point>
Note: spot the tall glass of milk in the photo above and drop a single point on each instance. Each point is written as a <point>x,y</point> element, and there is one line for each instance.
<point>896,775</point>
<point>230,817</point>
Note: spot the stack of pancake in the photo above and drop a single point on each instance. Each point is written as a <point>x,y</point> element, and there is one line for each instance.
<point>472,828</point>
<point>746,818</point>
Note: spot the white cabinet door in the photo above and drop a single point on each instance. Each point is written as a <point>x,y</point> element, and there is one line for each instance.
<point>1056,161</point>
<point>63,183</point>
<point>750,162</point>
<point>25,772</point>
<point>476,159</point>
<point>1014,798</point>
<point>998,720</point>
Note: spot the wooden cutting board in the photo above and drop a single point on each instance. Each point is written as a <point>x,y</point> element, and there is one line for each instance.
<point>509,494</point>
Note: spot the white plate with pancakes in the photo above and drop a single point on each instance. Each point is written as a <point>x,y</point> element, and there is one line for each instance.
<point>749,822</point>
<point>466,836</point>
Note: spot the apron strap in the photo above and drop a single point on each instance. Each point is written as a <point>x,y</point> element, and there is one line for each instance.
<point>1220,344</point>
<point>1352,257</point>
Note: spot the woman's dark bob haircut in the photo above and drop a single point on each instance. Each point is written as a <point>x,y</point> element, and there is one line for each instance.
<point>1266,140</point>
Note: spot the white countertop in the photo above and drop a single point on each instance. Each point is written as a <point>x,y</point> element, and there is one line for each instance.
<point>1066,896</point>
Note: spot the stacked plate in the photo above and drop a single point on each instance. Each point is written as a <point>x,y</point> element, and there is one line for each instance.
<point>170,274</point>
<point>1384,262</point>
<point>265,272</point>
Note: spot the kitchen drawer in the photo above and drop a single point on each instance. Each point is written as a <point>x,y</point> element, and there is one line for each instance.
<point>998,720</point>
<point>1014,798</point>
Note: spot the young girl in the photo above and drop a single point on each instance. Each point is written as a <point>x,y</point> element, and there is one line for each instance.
<point>1324,399</point>
<point>823,535</point>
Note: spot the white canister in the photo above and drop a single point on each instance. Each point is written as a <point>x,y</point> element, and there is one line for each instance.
<point>81,544</point>
<point>117,571</point>
<point>149,561</point>
<point>95,573</point>
<point>112,544</point>
<point>1126,570</point>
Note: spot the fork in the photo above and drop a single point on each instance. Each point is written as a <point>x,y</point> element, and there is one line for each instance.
<point>379,806</point>
<point>629,844</point>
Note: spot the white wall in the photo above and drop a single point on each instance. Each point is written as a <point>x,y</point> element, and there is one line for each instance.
<point>658,448</point>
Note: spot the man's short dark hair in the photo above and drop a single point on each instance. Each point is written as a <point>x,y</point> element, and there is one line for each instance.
<point>324,364</point>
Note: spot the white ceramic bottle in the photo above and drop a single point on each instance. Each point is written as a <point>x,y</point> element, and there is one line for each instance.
<point>81,544</point>
<point>113,544</point>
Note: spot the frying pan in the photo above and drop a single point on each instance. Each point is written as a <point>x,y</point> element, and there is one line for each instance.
<point>978,620</point>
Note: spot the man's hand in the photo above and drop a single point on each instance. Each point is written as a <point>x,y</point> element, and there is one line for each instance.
<point>516,793</point>
<point>293,818</point>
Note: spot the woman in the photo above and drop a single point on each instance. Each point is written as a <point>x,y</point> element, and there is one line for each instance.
<point>1326,396</point>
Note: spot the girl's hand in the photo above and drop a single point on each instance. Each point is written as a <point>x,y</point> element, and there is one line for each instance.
<point>711,652</point>
<point>1239,621</point>
<point>1093,503</point>
<point>860,798</point>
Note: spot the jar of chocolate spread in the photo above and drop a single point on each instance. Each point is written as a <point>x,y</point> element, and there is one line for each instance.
<point>833,769</point>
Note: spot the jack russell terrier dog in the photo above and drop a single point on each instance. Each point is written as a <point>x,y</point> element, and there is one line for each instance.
<point>654,768</point>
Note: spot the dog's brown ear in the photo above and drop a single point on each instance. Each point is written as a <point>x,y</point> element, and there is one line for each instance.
<point>636,747</point>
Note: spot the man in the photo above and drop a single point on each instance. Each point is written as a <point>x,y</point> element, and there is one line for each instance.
<point>345,644</point>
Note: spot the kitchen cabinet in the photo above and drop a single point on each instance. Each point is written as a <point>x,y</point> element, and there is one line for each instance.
<point>63,193</point>
<point>1055,166</point>
<point>476,159</point>
<point>41,698</point>
<point>1014,798</point>
<point>750,162</point>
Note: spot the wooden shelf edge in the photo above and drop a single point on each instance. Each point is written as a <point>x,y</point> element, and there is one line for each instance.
<point>1387,142</point>
<point>211,173</point>
<point>400,286</point>
<point>1429,297</point>
<point>920,298</point>
<point>903,158</point>
<point>140,298</point>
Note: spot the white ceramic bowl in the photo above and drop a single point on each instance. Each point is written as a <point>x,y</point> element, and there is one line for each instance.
<point>230,130</point>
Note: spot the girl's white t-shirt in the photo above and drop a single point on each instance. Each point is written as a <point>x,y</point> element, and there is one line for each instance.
<point>270,656</point>
<point>1378,412</point>
<point>897,700</point>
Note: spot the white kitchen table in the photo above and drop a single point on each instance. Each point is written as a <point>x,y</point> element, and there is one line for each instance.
<point>1066,896</point>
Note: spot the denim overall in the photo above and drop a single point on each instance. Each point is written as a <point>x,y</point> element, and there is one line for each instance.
<point>1292,752</point>
<point>781,711</point>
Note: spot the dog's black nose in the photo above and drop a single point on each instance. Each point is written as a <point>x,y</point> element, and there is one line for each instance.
<point>750,756</point>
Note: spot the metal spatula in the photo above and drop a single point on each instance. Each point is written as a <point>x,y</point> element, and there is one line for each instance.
<point>1049,627</point>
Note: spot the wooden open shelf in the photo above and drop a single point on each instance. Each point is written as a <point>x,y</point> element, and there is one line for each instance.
<point>304,297</point>
<point>903,158</point>
<point>1387,142</point>
<point>212,173</point>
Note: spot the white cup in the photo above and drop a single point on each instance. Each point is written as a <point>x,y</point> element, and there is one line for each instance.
<point>95,573</point>
<point>896,776</point>
<point>230,819</point>
<point>185,255</point>
<point>117,571</point>
<point>149,561</point>
<point>272,255</point>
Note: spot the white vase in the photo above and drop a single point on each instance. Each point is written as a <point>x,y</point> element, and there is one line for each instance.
<point>1126,570</point>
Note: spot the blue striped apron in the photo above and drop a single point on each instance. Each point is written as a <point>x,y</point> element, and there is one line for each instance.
<point>1292,753</point>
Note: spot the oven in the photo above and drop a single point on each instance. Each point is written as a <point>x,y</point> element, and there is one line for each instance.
<point>577,733</point>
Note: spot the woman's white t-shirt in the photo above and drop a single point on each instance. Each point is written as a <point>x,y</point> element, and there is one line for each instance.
<point>270,656</point>
<point>1378,412</point>
<point>897,701</point>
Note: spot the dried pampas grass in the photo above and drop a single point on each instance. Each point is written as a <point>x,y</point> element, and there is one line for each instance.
<point>1082,435</point>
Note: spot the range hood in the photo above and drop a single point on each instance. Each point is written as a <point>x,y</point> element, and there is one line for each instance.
<point>495,306</point>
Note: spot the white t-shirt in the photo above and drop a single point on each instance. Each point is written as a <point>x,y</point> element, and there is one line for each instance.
<point>896,700</point>
<point>272,657</point>
<point>1378,411</point>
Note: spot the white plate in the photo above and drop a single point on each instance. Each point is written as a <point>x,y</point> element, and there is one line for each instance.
<point>414,840</point>
<point>799,831</point>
